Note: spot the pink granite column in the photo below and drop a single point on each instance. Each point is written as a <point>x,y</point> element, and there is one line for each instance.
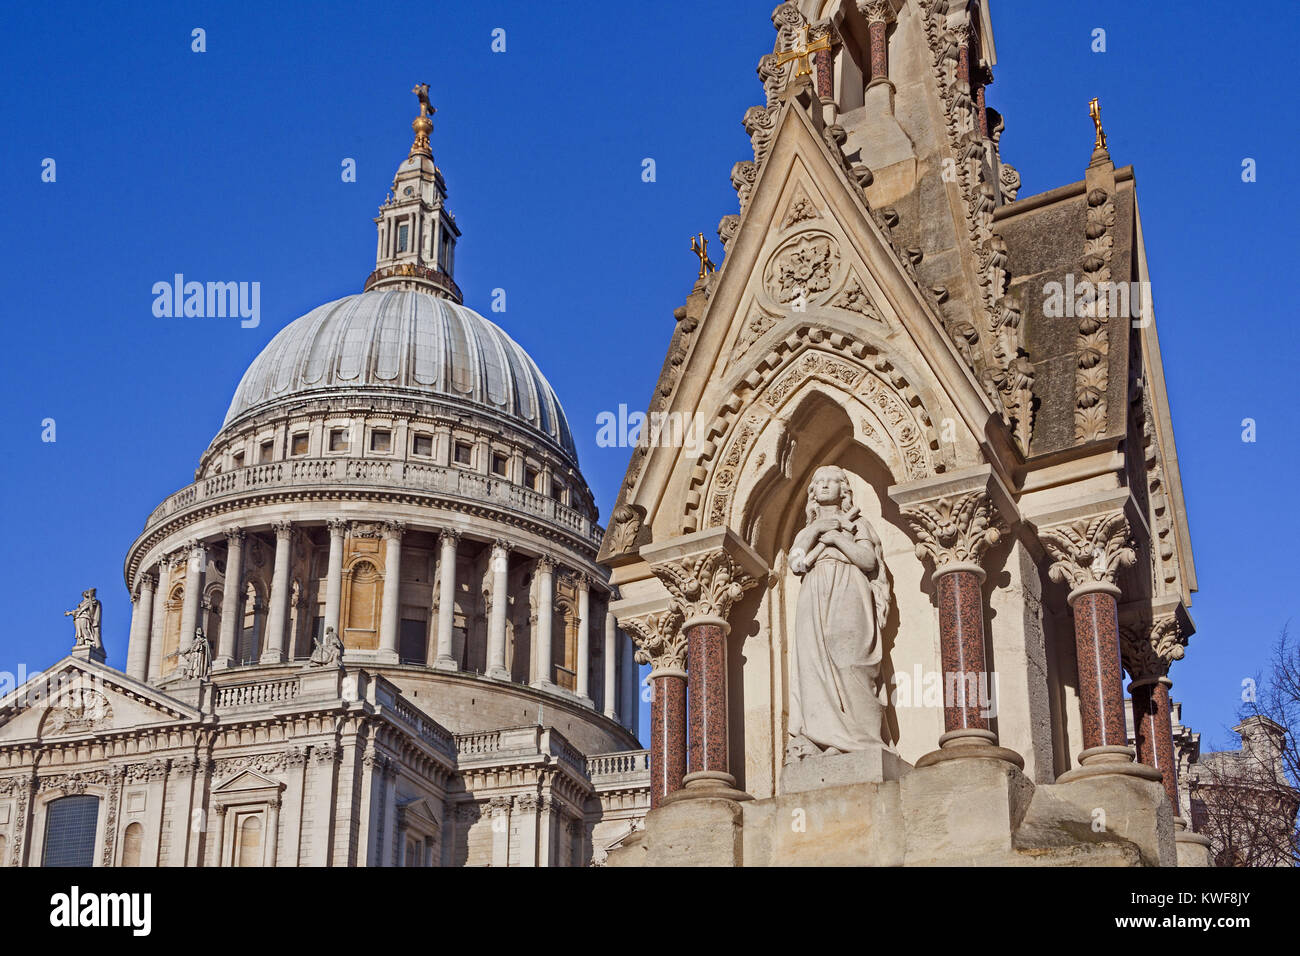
<point>1154,730</point>
<point>1101,687</point>
<point>879,51</point>
<point>706,650</point>
<point>961,652</point>
<point>667,733</point>
<point>983,78</point>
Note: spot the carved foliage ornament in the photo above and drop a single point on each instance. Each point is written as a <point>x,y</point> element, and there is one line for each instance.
<point>1089,550</point>
<point>954,530</point>
<point>1150,647</point>
<point>802,268</point>
<point>659,639</point>
<point>705,586</point>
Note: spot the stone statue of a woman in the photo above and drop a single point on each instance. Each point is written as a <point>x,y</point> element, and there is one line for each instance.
<point>836,701</point>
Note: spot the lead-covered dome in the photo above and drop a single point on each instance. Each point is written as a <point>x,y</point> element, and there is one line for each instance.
<point>408,343</point>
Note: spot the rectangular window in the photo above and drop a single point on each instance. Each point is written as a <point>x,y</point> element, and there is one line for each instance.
<point>557,490</point>
<point>402,231</point>
<point>413,641</point>
<point>70,824</point>
<point>299,444</point>
<point>464,453</point>
<point>530,478</point>
<point>381,440</point>
<point>423,445</point>
<point>499,464</point>
<point>338,439</point>
<point>267,451</point>
<point>237,460</point>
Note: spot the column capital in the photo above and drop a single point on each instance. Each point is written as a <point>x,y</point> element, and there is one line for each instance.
<point>1087,552</point>
<point>500,805</point>
<point>448,534</point>
<point>394,529</point>
<point>234,535</point>
<point>149,581</point>
<point>954,531</point>
<point>501,544</point>
<point>282,529</point>
<point>955,518</point>
<point>338,527</point>
<point>876,11</point>
<point>705,573</point>
<point>545,564</point>
<point>660,641</point>
<point>583,580</point>
<point>1149,644</point>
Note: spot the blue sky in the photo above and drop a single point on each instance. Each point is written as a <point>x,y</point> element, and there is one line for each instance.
<point>225,165</point>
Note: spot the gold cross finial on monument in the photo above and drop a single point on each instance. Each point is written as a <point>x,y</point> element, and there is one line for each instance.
<point>803,52</point>
<point>422,124</point>
<point>700,246</point>
<point>1094,110</point>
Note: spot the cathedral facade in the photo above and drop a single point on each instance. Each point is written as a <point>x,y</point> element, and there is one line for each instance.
<point>371,632</point>
<point>888,595</point>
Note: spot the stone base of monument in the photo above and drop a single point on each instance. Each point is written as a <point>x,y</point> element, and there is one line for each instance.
<point>978,811</point>
<point>863,766</point>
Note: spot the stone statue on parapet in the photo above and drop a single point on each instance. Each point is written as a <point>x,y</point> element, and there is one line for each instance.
<point>198,658</point>
<point>86,618</point>
<point>327,651</point>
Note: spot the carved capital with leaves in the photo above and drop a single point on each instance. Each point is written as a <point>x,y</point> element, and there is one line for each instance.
<point>1089,550</point>
<point>956,529</point>
<point>659,639</point>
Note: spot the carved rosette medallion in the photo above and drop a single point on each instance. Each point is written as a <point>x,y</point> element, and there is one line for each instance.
<point>802,268</point>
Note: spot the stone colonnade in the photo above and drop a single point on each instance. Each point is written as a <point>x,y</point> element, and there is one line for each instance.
<point>145,659</point>
<point>954,520</point>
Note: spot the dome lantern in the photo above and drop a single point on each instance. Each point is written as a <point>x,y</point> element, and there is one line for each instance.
<point>417,235</point>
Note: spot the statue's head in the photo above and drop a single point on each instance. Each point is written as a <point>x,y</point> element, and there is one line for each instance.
<point>829,486</point>
<point>198,632</point>
<point>88,593</point>
<point>329,630</point>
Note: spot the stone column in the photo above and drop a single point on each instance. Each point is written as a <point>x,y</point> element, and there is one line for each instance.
<point>660,643</point>
<point>231,600</point>
<point>338,529</point>
<point>1148,648</point>
<point>159,622</point>
<point>584,638</point>
<point>1087,554</point>
<point>391,612</point>
<point>278,614</point>
<point>879,14</point>
<point>220,839</point>
<point>196,561</point>
<point>954,521</point>
<point>705,574</point>
<point>499,807</point>
<point>272,831</point>
<point>137,658</point>
<point>545,614</point>
<point>496,647</point>
<point>446,600</point>
<point>610,660</point>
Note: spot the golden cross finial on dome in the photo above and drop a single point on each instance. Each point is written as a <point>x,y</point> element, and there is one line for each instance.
<point>1094,110</point>
<point>803,51</point>
<point>422,124</point>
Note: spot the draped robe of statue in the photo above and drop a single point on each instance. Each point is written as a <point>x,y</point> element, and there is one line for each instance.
<point>836,700</point>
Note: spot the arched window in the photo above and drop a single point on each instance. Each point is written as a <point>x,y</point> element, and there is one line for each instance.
<point>132,841</point>
<point>362,630</point>
<point>248,849</point>
<point>70,824</point>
